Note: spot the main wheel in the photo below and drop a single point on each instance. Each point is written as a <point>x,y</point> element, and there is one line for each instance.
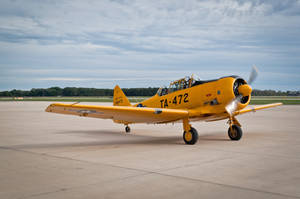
<point>235,132</point>
<point>190,137</point>
<point>127,129</point>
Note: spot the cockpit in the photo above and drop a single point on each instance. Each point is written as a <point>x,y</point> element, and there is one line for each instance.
<point>180,84</point>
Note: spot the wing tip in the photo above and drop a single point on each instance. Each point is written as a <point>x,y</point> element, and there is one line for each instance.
<point>276,104</point>
<point>48,109</point>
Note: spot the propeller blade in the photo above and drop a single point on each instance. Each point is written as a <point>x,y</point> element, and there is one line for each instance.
<point>232,106</point>
<point>253,75</point>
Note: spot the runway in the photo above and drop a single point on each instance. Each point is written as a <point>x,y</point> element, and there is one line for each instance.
<point>44,155</point>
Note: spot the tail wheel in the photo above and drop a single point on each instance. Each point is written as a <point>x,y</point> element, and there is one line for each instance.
<point>190,137</point>
<point>235,132</point>
<point>127,129</point>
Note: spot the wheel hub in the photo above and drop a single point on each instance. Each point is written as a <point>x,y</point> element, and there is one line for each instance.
<point>233,132</point>
<point>188,136</point>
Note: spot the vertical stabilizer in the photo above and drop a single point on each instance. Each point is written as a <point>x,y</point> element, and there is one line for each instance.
<point>119,97</point>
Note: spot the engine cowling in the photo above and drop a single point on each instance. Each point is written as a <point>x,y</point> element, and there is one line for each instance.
<point>240,87</point>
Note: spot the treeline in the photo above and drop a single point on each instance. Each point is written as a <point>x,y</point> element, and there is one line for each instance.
<point>274,93</point>
<point>73,91</point>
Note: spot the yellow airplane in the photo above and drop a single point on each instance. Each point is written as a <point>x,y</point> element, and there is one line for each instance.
<point>185,100</point>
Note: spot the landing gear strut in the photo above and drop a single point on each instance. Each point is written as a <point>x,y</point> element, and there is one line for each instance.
<point>127,129</point>
<point>190,134</point>
<point>234,131</point>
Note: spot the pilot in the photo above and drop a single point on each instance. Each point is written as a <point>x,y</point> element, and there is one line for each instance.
<point>185,85</point>
<point>164,91</point>
<point>189,82</point>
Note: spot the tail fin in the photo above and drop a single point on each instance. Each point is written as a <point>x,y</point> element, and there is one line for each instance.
<point>119,97</point>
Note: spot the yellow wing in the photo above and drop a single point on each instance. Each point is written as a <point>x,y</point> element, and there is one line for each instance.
<point>256,108</point>
<point>210,117</point>
<point>124,114</point>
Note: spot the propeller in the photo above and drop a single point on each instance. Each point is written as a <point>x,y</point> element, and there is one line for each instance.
<point>241,90</point>
<point>253,74</point>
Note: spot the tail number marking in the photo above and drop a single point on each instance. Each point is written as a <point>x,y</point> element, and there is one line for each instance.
<point>164,103</point>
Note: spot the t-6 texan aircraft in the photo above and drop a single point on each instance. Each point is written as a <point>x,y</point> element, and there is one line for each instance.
<point>185,100</point>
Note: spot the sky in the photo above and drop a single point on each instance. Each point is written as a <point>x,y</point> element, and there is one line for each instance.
<point>142,43</point>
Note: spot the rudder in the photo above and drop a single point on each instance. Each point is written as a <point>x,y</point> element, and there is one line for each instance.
<point>119,97</point>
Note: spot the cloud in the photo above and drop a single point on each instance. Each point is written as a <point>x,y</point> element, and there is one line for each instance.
<point>192,36</point>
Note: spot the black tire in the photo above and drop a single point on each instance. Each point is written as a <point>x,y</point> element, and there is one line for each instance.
<point>127,129</point>
<point>194,136</point>
<point>236,133</point>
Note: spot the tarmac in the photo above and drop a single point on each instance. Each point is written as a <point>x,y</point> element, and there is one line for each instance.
<point>45,155</point>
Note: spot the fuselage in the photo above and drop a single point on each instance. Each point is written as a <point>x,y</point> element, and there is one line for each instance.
<point>208,96</point>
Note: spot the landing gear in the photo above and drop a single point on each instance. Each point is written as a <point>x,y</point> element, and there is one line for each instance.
<point>190,134</point>
<point>234,131</point>
<point>190,137</point>
<point>127,129</point>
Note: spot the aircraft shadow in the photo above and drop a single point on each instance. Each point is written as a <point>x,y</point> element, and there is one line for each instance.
<point>212,138</point>
<point>117,138</point>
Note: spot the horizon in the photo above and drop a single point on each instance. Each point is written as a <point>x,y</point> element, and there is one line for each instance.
<point>132,88</point>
